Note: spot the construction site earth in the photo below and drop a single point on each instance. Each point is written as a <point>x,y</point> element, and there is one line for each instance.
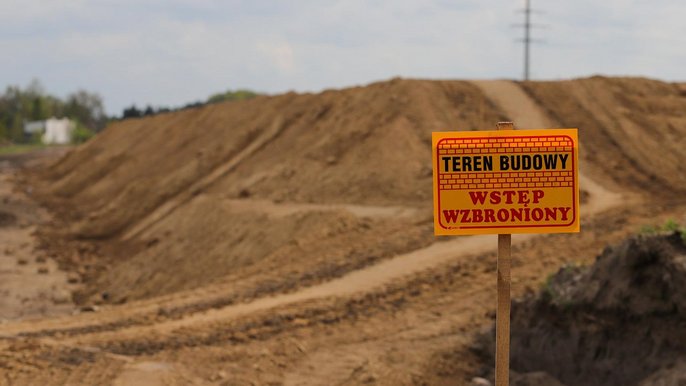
<point>288,240</point>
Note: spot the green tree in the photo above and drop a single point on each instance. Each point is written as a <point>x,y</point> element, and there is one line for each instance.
<point>3,131</point>
<point>32,103</point>
<point>81,133</point>
<point>229,95</point>
<point>16,131</point>
<point>87,108</point>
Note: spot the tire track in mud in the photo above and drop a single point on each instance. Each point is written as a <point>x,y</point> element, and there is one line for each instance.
<point>198,299</point>
<point>364,280</point>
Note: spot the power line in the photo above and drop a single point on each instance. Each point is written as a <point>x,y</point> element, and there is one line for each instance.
<point>527,40</point>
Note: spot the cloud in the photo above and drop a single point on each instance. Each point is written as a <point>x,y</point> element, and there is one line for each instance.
<point>169,52</point>
<point>280,54</point>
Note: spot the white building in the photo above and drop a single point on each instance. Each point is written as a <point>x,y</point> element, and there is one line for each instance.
<point>52,131</point>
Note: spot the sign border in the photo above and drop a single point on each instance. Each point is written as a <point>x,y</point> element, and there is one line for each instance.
<point>571,227</point>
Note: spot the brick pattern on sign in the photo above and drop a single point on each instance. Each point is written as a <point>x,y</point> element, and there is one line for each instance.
<point>495,180</point>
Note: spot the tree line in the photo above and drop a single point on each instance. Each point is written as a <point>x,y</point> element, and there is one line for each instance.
<point>32,103</point>
<point>20,105</point>
<point>238,95</point>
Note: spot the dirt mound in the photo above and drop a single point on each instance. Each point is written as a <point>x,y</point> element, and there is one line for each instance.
<point>617,322</point>
<point>160,186</point>
<point>194,219</point>
<point>363,145</point>
<point>144,185</point>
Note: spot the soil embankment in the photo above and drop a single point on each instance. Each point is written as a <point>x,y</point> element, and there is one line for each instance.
<point>288,239</point>
<point>360,146</point>
<point>186,221</point>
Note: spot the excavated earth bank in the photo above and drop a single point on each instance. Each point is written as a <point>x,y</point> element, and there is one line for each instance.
<point>620,321</point>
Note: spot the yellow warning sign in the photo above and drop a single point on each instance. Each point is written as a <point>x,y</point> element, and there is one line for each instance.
<point>509,181</point>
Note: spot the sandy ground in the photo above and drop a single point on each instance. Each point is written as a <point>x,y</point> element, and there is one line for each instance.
<point>31,285</point>
<point>407,319</point>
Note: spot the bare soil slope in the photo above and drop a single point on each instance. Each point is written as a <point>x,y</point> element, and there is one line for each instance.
<point>168,185</point>
<point>362,145</point>
<point>158,183</point>
<point>288,240</point>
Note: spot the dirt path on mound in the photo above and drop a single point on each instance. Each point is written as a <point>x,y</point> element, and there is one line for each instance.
<point>287,208</point>
<point>526,114</point>
<point>364,280</point>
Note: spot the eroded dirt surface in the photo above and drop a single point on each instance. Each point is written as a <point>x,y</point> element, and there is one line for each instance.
<point>239,261</point>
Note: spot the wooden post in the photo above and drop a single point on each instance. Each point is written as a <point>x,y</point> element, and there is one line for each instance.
<point>502,318</point>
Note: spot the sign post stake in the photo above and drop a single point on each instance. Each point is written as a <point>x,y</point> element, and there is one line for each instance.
<point>502,318</point>
<point>502,182</point>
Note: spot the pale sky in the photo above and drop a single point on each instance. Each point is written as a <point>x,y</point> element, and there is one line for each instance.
<point>171,52</point>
